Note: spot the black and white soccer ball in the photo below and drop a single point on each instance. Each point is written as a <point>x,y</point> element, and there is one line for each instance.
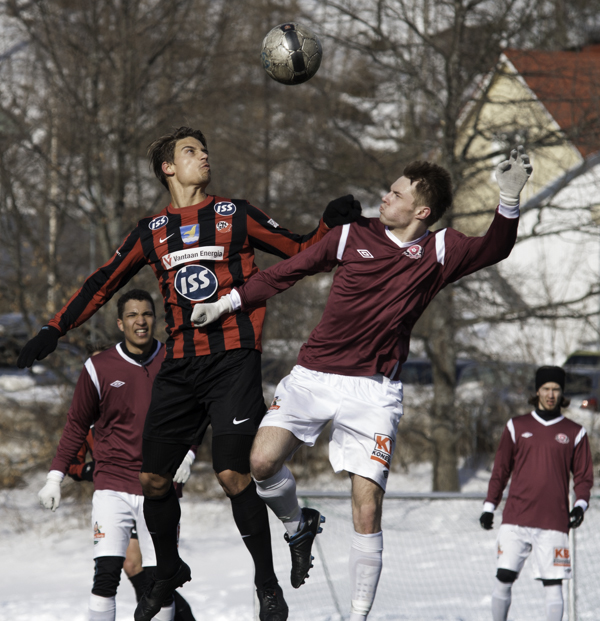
<point>291,53</point>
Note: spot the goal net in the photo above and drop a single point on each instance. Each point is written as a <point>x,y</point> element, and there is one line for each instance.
<point>438,563</point>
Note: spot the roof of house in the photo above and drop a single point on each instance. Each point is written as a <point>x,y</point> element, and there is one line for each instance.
<point>567,83</point>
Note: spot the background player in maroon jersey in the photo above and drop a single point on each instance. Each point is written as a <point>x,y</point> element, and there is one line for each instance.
<point>539,451</point>
<point>199,246</point>
<point>388,270</point>
<point>113,393</point>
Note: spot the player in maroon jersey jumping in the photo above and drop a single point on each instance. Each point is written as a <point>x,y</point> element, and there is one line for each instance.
<point>388,270</point>
<point>538,452</point>
<point>199,247</point>
<point>113,394</point>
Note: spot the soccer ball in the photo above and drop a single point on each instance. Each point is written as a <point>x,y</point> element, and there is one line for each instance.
<point>291,53</point>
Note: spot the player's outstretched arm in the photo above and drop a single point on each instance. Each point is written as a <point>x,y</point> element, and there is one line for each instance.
<point>342,210</point>
<point>42,344</point>
<point>203,314</point>
<point>49,495</point>
<point>512,175</point>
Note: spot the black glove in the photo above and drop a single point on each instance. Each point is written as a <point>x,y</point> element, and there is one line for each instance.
<point>87,473</point>
<point>39,346</point>
<point>576,517</point>
<point>341,210</point>
<point>486,519</point>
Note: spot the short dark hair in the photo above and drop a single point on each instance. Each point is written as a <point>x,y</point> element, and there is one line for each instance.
<point>133,294</point>
<point>163,149</point>
<point>433,188</point>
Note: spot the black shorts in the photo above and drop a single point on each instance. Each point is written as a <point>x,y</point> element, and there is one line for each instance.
<point>222,389</point>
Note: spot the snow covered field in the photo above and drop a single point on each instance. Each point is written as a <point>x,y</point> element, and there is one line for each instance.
<point>438,563</point>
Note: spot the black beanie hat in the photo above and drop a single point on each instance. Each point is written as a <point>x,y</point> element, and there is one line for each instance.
<point>550,374</point>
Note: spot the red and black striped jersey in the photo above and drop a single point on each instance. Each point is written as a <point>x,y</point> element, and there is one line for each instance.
<point>198,254</point>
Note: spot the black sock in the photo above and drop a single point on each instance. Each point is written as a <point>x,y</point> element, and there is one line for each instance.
<point>162,517</point>
<point>183,612</point>
<point>140,582</point>
<point>252,520</point>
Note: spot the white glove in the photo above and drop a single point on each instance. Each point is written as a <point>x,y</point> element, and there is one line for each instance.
<point>49,495</point>
<point>203,314</point>
<point>512,175</point>
<point>184,470</point>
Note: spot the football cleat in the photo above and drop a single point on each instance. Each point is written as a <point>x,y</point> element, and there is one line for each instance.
<point>301,545</point>
<point>159,593</point>
<point>272,603</point>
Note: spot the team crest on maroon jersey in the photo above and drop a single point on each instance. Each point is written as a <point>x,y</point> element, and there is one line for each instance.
<point>414,252</point>
<point>562,438</point>
<point>158,223</point>
<point>223,226</point>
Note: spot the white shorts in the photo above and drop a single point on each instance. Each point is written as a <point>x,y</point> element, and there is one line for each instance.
<point>114,514</point>
<point>365,412</point>
<point>550,549</point>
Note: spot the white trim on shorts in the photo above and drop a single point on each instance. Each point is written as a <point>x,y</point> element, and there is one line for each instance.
<point>365,412</point>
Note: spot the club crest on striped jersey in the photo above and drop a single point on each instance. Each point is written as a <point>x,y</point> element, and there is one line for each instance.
<point>382,452</point>
<point>414,252</point>
<point>562,438</point>
<point>158,223</point>
<point>225,208</point>
<point>190,233</point>
<point>223,226</point>
<point>195,282</point>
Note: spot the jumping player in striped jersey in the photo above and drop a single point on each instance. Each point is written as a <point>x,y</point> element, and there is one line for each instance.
<point>538,452</point>
<point>388,270</point>
<point>199,246</point>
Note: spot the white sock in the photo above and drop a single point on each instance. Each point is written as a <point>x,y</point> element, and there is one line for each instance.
<point>166,613</point>
<point>554,602</point>
<point>365,568</point>
<point>102,608</point>
<point>279,494</point>
<point>501,598</point>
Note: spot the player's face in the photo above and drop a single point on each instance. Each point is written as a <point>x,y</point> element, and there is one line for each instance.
<point>398,209</point>
<point>190,165</point>
<point>137,326</point>
<point>549,395</point>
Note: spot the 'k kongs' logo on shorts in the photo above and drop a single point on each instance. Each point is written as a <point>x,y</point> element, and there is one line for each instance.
<point>195,282</point>
<point>383,449</point>
<point>562,557</point>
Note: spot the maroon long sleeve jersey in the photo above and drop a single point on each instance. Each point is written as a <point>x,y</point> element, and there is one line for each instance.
<point>380,288</point>
<point>113,393</point>
<point>541,455</point>
<point>198,254</point>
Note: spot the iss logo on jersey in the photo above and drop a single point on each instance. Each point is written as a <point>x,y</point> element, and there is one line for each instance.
<point>158,223</point>
<point>225,208</point>
<point>414,252</point>
<point>383,449</point>
<point>223,226</point>
<point>562,557</point>
<point>562,438</point>
<point>195,282</point>
<point>190,234</point>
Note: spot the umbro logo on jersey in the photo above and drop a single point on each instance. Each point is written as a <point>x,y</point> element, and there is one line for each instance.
<point>527,434</point>
<point>383,449</point>
<point>364,253</point>
<point>562,438</point>
<point>158,223</point>
<point>118,384</point>
<point>223,226</point>
<point>414,252</point>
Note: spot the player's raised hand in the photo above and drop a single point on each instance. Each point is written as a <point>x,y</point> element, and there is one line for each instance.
<point>341,210</point>
<point>576,517</point>
<point>39,346</point>
<point>512,175</point>
<point>203,314</point>
<point>185,468</point>
<point>49,495</point>
<point>486,519</point>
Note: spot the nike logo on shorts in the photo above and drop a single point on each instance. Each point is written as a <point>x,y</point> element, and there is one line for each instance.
<point>239,422</point>
<point>162,241</point>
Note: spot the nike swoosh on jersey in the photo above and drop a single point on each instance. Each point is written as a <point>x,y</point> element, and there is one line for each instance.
<point>239,422</point>
<point>162,241</point>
